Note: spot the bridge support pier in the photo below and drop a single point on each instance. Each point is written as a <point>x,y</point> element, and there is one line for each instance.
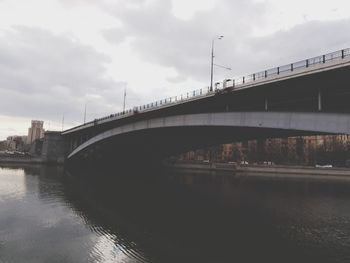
<point>319,98</point>
<point>55,148</point>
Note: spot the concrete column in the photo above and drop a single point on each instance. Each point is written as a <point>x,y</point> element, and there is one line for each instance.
<point>54,147</point>
<point>319,98</point>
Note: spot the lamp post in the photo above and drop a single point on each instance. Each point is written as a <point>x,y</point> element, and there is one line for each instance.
<point>85,111</point>
<point>212,60</point>
<point>124,98</point>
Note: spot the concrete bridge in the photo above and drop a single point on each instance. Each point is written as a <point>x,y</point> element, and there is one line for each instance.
<point>302,98</point>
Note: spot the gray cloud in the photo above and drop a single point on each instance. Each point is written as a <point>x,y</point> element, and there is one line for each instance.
<point>302,41</point>
<point>161,38</point>
<point>184,45</point>
<point>43,75</point>
<point>115,35</point>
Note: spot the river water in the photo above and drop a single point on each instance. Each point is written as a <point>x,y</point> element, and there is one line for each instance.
<point>48,215</point>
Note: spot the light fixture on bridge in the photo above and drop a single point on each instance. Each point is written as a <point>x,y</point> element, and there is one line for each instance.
<point>212,61</point>
<point>85,112</point>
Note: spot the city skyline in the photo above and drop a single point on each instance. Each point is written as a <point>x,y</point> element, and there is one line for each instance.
<point>99,48</point>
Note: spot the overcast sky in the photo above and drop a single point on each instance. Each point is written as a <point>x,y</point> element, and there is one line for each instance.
<point>56,56</point>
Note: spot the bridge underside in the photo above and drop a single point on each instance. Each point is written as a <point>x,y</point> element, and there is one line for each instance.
<point>152,140</point>
<point>151,146</point>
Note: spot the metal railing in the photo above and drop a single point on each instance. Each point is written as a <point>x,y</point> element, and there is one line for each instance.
<point>296,67</point>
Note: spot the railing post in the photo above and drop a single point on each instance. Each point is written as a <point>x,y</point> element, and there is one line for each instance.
<point>254,76</point>
<point>342,53</point>
<point>278,70</point>
<point>233,82</point>
<point>324,58</point>
<point>265,73</point>
<point>291,67</point>
<point>307,63</point>
<point>243,80</point>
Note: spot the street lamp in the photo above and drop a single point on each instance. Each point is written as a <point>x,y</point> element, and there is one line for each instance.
<point>85,111</point>
<point>212,60</point>
<point>124,97</point>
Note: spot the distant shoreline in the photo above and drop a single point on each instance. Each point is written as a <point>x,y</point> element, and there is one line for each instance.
<point>25,160</point>
<point>262,169</point>
<point>227,167</point>
<point>9,159</point>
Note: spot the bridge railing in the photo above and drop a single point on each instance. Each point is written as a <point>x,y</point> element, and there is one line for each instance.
<point>172,100</point>
<point>232,83</point>
<point>156,104</point>
<point>290,68</point>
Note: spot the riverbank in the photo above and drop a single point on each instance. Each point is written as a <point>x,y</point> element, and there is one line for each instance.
<point>228,167</point>
<point>261,169</point>
<point>24,160</point>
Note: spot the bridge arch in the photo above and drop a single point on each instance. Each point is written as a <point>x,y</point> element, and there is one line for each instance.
<point>286,123</point>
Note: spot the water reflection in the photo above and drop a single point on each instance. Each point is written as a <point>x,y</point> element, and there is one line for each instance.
<point>47,215</point>
<point>12,185</point>
<point>39,224</point>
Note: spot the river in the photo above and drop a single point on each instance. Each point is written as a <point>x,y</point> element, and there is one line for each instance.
<point>49,215</point>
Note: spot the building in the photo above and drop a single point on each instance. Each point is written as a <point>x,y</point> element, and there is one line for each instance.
<point>300,150</point>
<point>36,131</point>
<point>3,146</point>
<point>14,143</point>
<point>11,143</point>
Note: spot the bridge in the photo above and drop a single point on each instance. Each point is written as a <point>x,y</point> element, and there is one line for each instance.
<point>301,98</point>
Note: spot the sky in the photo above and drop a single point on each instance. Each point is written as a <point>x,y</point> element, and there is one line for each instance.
<point>58,57</point>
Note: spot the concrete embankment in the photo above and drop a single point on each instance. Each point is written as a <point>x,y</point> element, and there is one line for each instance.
<point>25,160</point>
<point>262,169</point>
<point>283,169</point>
<point>204,166</point>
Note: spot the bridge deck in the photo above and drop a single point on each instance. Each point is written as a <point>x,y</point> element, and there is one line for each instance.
<point>328,62</point>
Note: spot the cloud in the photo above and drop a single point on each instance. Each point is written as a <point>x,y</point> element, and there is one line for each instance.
<point>302,41</point>
<point>159,37</point>
<point>176,79</point>
<point>115,35</point>
<point>43,75</point>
